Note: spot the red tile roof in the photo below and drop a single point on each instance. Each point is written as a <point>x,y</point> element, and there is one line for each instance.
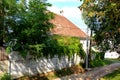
<point>64,27</point>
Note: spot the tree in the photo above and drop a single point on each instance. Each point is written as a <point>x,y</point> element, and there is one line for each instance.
<point>102,16</point>
<point>1,21</point>
<point>26,25</point>
<point>26,29</point>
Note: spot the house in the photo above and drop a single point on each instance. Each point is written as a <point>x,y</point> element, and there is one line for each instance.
<point>66,28</point>
<point>111,54</point>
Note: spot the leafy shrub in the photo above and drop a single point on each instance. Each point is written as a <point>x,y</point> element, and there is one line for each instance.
<point>6,76</point>
<point>98,63</point>
<point>99,55</point>
<point>98,60</point>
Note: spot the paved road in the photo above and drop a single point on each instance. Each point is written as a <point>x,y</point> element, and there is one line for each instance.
<point>94,74</point>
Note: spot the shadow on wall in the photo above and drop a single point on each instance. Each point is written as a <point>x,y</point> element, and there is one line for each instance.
<point>3,61</point>
<point>3,66</point>
<point>26,67</point>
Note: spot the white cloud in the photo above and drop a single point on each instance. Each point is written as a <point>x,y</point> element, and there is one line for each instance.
<point>54,9</point>
<point>67,11</point>
<point>71,12</point>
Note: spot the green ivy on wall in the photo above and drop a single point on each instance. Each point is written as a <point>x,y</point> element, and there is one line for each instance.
<point>58,45</point>
<point>70,45</point>
<point>55,45</point>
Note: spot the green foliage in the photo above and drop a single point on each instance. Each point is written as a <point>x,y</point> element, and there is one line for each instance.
<point>1,22</point>
<point>69,46</point>
<point>62,46</point>
<point>102,16</point>
<point>99,63</point>
<point>36,50</point>
<point>6,76</point>
<point>27,30</point>
<point>58,45</point>
<point>98,59</point>
<point>98,55</point>
<point>26,25</point>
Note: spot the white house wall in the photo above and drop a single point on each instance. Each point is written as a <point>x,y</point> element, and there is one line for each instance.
<point>84,44</point>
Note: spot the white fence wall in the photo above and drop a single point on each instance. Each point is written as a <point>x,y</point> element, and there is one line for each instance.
<point>19,67</point>
<point>3,67</point>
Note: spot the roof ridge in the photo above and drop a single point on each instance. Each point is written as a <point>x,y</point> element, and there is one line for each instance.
<point>66,27</point>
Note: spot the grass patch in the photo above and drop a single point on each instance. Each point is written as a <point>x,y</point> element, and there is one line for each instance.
<point>98,63</point>
<point>112,76</point>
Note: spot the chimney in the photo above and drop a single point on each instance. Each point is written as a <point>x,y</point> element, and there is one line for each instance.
<point>61,12</point>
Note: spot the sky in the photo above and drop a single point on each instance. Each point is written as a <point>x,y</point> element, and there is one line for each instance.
<point>70,11</point>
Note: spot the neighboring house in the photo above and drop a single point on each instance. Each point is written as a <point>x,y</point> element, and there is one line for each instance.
<point>66,28</point>
<point>111,54</point>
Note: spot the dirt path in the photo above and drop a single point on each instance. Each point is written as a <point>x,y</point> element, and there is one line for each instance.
<point>94,74</point>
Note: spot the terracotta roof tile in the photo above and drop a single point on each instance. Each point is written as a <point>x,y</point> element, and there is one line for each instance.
<point>64,27</point>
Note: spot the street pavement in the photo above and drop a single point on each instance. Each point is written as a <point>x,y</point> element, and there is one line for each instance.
<point>93,74</point>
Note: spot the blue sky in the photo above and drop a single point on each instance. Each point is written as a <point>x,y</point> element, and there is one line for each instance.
<point>64,3</point>
<point>70,11</point>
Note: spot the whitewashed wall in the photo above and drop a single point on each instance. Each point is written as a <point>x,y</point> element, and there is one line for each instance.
<point>3,67</point>
<point>19,67</point>
<point>84,44</point>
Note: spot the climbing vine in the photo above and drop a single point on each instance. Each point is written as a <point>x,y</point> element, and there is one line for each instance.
<point>58,45</point>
